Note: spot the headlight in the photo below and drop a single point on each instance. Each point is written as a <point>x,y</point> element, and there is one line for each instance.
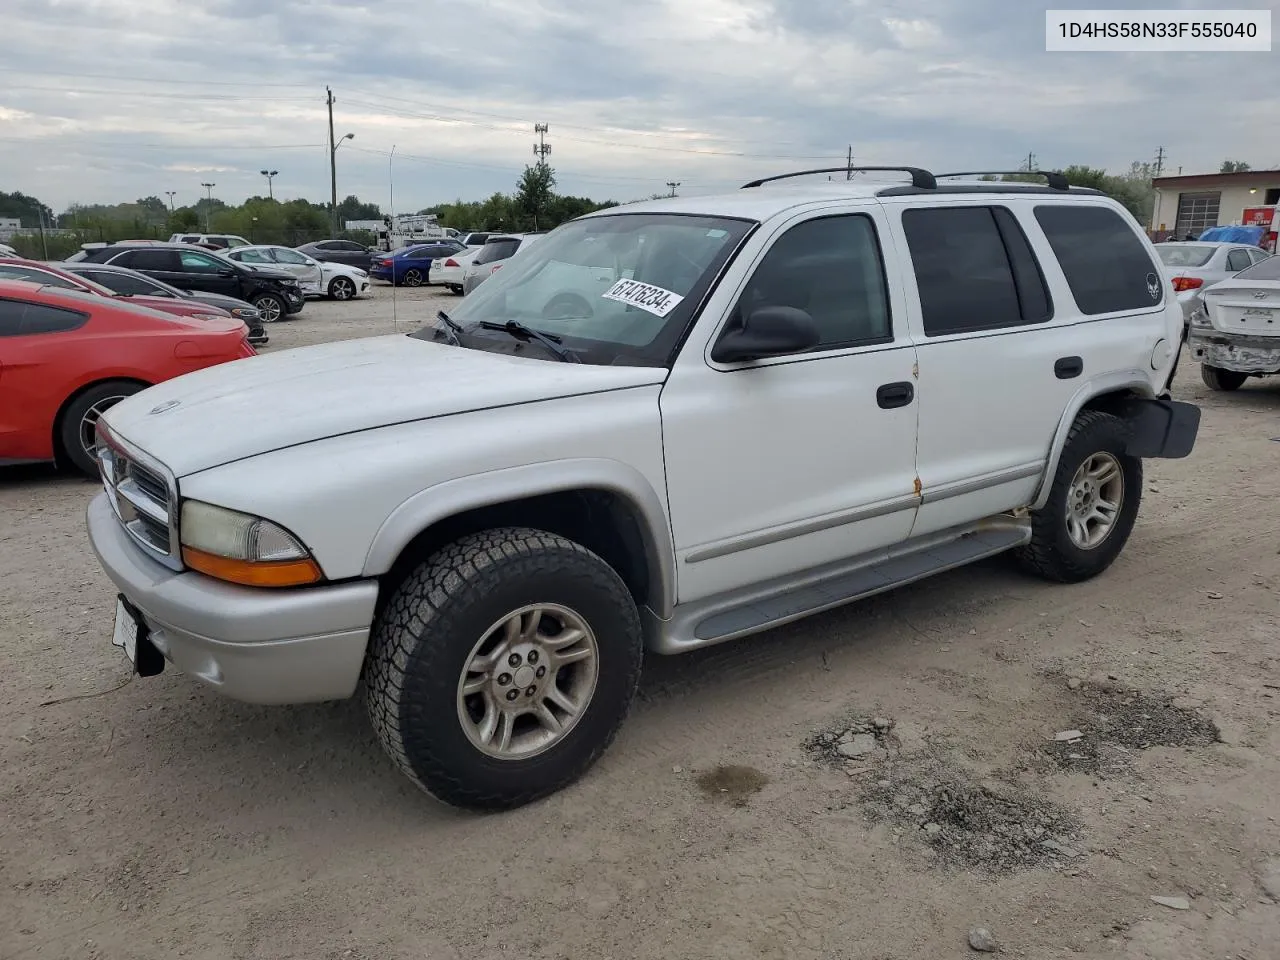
<point>240,548</point>
<point>359,273</point>
<point>246,313</point>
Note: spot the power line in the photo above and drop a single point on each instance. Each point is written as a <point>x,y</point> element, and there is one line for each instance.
<point>164,80</point>
<point>58,141</point>
<point>147,95</point>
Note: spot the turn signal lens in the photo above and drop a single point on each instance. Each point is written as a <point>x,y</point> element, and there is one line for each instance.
<point>281,573</point>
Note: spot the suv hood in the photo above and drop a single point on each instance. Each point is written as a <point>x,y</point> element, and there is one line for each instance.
<point>253,406</point>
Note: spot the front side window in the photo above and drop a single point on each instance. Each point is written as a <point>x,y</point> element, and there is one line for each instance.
<point>1106,264</point>
<point>619,288</point>
<point>193,262</point>
<point>831,269</point>
<point>975,270</point>
<point>283,255</point>
<point>20,318</point>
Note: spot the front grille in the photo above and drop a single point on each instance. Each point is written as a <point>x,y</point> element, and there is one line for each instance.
<point>142,500</point>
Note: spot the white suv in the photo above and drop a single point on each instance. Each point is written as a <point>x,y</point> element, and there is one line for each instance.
<point>667,424</point>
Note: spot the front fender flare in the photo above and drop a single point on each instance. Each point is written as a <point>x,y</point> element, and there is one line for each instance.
<point>444,500</point>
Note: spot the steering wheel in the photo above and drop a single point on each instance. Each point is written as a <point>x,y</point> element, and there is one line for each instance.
<point>567,306</point>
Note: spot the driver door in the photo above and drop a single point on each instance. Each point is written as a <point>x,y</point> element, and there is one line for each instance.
<point>778,465</point>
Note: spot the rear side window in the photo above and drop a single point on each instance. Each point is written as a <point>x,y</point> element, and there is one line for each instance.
<point>20,318</point>
<point>1107,267</point>
<point>1239,260</point>
<point>495,250</point>
<point>974,269</point>
<point>149,260</point>
<point>124,283</point>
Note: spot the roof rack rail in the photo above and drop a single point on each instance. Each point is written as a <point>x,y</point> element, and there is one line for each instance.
<point>920,178</point>
<point>1056,180</point>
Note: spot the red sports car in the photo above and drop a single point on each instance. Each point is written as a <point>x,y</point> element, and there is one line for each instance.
<point>67,355</point>
<point>16,268</point>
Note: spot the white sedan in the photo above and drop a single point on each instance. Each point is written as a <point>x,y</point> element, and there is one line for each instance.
<point>317,278</point>
<point>449,270</point>
<point>1195,265</point>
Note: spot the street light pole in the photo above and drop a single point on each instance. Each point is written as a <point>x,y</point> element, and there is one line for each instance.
<point>209,189</point>
<point>270,175</point>
<point>170,194</point>
<point>333,167</point>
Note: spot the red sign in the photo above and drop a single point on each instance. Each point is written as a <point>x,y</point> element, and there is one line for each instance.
<point>1258,216</point>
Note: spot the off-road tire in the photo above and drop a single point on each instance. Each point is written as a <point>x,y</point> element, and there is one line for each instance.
<point>1051,554</point>
<point>72,418</point>
<point>1215,378</point>
<point>426,631</point>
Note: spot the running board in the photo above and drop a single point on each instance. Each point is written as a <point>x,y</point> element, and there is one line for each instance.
<point>764,606</point>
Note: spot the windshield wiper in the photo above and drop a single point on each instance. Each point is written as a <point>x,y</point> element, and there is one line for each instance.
<point>549,340</point>
<point>451,327</point>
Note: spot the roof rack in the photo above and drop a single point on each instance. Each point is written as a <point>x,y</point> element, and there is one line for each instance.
<point>1056,180</point>
<point>920,178</point>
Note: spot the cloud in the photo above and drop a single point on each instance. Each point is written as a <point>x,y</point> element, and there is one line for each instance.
<point>103,101</point>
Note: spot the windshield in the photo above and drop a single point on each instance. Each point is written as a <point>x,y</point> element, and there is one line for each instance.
<point>1184,254</point>
<point>615,289</point>
<point>1268,269</point>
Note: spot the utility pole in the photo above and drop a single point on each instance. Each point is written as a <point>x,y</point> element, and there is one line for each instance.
<point>270,175</point>
<point>673,184</point>
<point>333,170</point>
<point>170,194</point>
<point>1159,161</point>
<point>848,164</point>
<point>208,206</point>
<point>541,148</point>
<point>1031,162</point>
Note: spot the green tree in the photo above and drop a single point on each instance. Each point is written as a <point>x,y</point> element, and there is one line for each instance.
<point>533,193</point>
<point>25,208</point>
<point>1234,166</point>
<point>353,208</point>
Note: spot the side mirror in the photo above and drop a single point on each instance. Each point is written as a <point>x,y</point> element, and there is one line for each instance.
<point>767,332</point>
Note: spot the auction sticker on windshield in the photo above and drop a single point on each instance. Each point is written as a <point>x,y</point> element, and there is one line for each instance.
<point>656,300</point>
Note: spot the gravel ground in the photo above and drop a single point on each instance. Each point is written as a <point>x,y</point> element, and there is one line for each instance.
<point>151,818</point>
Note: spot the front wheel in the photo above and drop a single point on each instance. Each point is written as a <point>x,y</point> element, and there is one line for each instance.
<point>342,289</point>
<point>270,307</point>
<point>413,278</point>
<point>77,427</point>
<point>1215,378</point>
<point>502,667</point>
<point>1092,504</point>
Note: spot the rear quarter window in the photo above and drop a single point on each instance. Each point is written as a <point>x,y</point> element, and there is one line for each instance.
<point>1106,265</point>
<point>22,318</point>
<point>497,250</point>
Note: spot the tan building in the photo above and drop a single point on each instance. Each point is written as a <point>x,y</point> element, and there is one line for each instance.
<point>1192,204</point>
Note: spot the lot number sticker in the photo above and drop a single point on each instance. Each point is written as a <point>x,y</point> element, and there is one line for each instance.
<point>657,301</point>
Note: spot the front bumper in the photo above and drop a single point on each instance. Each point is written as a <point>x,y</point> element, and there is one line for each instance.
<point>1243,354</point>
<point>253,644</point>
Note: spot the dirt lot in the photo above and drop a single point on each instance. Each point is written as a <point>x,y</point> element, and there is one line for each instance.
<point>150,818</point>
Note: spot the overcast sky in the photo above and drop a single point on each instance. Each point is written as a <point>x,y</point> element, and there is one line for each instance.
<point>111,100</point>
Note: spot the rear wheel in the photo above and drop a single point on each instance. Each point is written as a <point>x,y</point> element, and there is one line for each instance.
<point>342,289</point>
<point>501,668</point>
<point>271,307</point>
<point>413,278</point>
<point>455,289</point>
<point>78,424</point>
<point>1092,504</point>
<point>1215,378</point>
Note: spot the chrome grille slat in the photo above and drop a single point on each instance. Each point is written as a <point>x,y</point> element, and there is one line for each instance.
<point>141,497</point>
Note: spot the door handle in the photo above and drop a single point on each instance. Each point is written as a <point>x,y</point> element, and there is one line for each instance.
<point>895,395</point>
<point>1068,367</point>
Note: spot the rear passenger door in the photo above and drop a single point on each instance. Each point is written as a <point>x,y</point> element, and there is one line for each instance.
<point>1017,305</point>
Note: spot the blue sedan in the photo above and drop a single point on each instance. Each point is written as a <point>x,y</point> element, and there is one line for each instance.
<point>411,266</point>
